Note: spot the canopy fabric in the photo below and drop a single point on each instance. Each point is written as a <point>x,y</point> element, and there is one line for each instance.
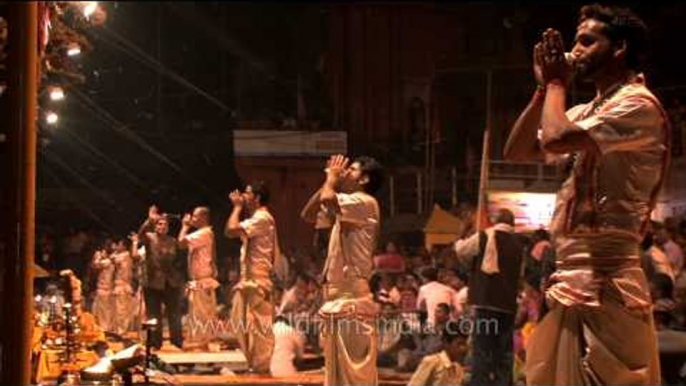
<point>442,228</point>
<point>443,222</point>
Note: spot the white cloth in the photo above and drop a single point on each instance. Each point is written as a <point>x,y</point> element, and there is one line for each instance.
<point>353,238</point>
<point>467,249</point>
<point>201,264</point>
<point>489,264</point>
<point>289,344</point>
<point>461,298</point>
<point>434,293</point>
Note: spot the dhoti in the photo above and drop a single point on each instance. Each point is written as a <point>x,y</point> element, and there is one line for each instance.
<point>592,336</point>
<point>123,310</point>
<point>349,334</point>
<point>103,311</point>
<point>202,311</point>
<point>252,317</point>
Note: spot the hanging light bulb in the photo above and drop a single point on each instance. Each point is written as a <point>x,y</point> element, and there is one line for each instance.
<point>56,93</point>
<point>73,49</point>
<point>51,118</point>
<point>89,8</point>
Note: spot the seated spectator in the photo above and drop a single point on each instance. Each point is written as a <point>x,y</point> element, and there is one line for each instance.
<point>390,261</point>
<point>528,312</point>
<point>662,289</point>
<point>433,293</point>
<point>671,342</point>
<point>673,252</point>
<point>296,298</point>
<point>659,262</point>
<point>388,292</point>
<point>445,367</point>
<point>407,286</point>
<point>427,342</point>
<point>457,280</point>
<point>289,346</point>
<point>540,242</point>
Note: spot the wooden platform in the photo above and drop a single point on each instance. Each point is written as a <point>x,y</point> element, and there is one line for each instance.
<point>232,359</point>
<point>385,379</point>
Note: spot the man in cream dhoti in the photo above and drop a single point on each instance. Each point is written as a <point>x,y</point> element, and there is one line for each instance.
<point>349,312</point>
<point>122,291</point>
<point>202,272</point>
<point>103,304</point>
<point>600,327</point>
<point>252,309</point>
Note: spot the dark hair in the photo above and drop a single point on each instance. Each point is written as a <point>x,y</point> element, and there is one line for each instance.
<point>375,283</point>
<point>372,169</point>
<point>123,240</point>
<point>304,277</point>
<point>445,307</point>
<point>430,273</point>
<point>533,279</point>
<point>663,285</point>
<point>282,318</point>
<point>461,274</point>
<point>621,24</point>
<point>205,212</point>
<point>504,216</point>
<point>647,241</point>
<point>541,234</point>
<point>452,331</point>
<point>259,188</point>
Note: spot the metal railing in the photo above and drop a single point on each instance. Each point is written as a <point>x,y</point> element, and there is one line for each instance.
<point>414,190</point>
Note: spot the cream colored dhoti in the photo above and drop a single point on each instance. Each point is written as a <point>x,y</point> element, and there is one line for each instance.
<point>103,311</point>
<point>349,334</point>
<point>603,337</point>
<point>123,301</point>
<point>252,317</point>
<point>202,311</point>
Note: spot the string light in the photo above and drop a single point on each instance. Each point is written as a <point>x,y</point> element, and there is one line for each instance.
<point>89,8</point>
<point>73,49</point>
<point>56,94</point>
<point>51,118</point>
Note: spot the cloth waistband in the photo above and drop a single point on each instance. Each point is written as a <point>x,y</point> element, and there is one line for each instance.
<point>353,288</point>
<point>614,263</point>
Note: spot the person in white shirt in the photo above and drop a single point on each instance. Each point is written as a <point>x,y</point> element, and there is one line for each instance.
<point>103,303</point>
<point>252,307</point>
<point>123,287</point>
<point>615,150</point>
<point>349,339</point>
<point>434,293</point>
<point>202,271</point>
<point>289,346</point>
